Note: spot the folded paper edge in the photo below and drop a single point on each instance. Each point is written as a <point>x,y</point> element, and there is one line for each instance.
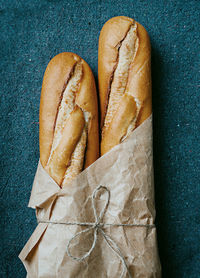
<point>53,191</point>
<point>33,240</point>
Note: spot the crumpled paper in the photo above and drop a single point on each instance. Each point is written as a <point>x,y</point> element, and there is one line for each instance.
<point>127,171</point>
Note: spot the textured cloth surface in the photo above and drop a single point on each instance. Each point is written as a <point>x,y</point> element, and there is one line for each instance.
<point>32,32</point>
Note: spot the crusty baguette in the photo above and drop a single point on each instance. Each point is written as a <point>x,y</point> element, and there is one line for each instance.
<point>69,139</point>
<point>124,72</point>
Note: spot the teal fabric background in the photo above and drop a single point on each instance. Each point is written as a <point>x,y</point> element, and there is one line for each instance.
<point>32,32</point>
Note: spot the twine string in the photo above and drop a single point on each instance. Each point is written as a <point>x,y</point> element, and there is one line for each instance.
<point>97,227</point>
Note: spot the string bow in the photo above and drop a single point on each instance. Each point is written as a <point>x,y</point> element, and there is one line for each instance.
<point>97,227</point>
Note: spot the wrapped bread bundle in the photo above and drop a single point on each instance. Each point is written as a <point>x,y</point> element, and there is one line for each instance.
<point>96,218</point>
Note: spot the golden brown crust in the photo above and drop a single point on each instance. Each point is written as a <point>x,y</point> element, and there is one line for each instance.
<point>82,118</point>
<point>60,158</point>
<point>138,84</point>
<point>112,33</point>
<point>55,78</point>
<point>87,100</point>
<point>123,117</point>
<point>139,81</point>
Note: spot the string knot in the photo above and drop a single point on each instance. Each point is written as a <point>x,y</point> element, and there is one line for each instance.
<point>98,225</point>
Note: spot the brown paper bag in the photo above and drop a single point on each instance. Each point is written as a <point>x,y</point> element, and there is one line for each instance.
<point>127,172</point>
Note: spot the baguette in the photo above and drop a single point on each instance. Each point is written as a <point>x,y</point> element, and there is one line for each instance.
<point>124,72</point>
<point>68,135</point>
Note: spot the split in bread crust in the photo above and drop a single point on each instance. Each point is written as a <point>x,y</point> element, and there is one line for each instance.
<point>124,79</point>
<point>68,118</point>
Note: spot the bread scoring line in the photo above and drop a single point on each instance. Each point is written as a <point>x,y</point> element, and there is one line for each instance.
<point>126,60</point>
<point>65,108</point>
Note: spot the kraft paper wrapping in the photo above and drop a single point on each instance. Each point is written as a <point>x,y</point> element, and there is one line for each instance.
<point>127,171</point>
